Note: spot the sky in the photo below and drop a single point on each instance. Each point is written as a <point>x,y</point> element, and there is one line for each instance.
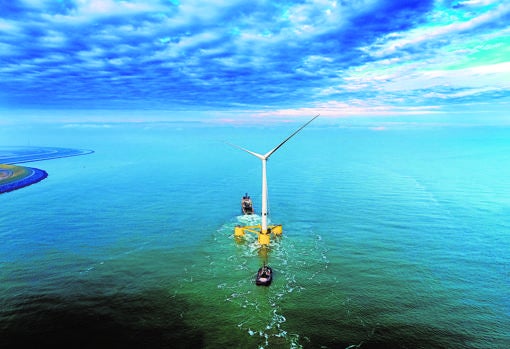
<point>241,61</point>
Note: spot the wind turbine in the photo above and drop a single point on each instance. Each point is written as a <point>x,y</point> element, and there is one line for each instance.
<point>264,232</point>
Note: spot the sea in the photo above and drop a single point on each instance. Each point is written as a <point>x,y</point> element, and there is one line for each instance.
<point>394,237</point>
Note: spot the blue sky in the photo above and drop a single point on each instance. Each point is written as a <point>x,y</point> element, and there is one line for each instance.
<point>243,61</point>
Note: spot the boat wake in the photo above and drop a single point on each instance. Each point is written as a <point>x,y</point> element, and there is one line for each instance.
<point>225,275</point>
<point>251,219</point>
<point>263,315</point>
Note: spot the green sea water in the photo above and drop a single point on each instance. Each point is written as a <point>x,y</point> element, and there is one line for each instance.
<point>392,239</point>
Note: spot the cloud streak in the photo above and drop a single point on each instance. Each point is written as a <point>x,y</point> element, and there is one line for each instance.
<point>264,56</point>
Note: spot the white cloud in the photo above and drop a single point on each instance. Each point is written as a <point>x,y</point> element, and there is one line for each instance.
<point>112,7</point>
<point>256,54</point>
<point>395,42</point>
<point>477,2</point>
<point>354,108</point>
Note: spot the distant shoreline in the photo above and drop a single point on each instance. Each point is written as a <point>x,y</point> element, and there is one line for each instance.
<point>13,177</point>
<point>19,155</point>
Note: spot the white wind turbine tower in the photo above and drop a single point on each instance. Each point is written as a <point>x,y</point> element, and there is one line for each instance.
<point>264,232</point>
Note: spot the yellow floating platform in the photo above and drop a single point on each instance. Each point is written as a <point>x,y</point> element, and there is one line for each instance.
<point>263,237</point>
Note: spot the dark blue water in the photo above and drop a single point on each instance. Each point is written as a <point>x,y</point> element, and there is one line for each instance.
<point>394,239</point>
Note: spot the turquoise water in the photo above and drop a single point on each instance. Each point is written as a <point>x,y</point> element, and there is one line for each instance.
<point>392,239</point>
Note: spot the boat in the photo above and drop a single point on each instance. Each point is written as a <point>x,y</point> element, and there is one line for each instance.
<point>246,204</point>
<point>264,276</point>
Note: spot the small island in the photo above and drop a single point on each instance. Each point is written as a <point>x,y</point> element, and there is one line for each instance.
<point>14,177</point>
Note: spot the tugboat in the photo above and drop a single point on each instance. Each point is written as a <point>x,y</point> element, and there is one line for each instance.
<point>246,204</point>
<point>264,276</point>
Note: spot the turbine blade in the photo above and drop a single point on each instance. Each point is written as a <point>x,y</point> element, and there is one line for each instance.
<point>261,157</point>
<point>268,154</point>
